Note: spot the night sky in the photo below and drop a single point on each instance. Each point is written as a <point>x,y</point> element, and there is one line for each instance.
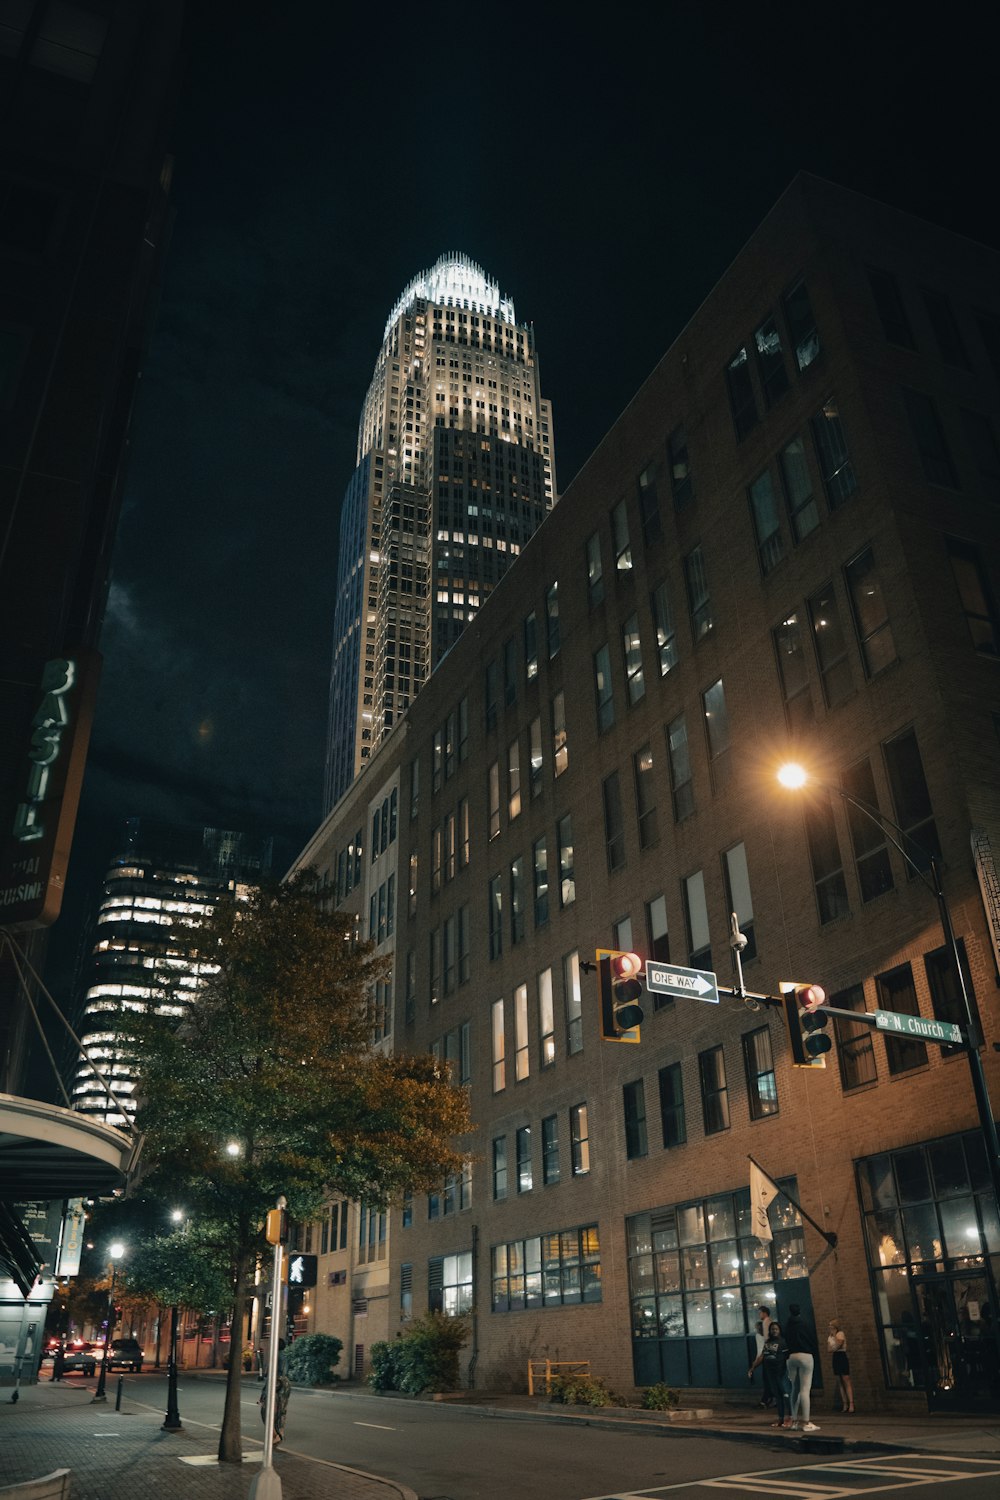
<point>604,171</point>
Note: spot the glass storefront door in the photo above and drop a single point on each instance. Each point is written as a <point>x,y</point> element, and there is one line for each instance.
<point>958,1347</point>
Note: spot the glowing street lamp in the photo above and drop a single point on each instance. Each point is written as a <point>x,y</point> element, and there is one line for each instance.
<point>115,1253</point>
<point>172,1420</point>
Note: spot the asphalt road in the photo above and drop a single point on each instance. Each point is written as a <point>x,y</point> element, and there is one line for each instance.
<point>444,1454</point>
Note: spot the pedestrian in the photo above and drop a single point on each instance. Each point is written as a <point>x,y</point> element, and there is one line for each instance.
<point>760,1334</point>
<point>774,1359</point>
<point>58,1362</point>
<point>837,1344</point>
<point>282,1391</point>
<point>803,1352</point>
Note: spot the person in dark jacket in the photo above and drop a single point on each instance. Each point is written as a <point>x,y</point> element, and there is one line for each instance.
<point>803,1352</point>
<point>773,1357</point>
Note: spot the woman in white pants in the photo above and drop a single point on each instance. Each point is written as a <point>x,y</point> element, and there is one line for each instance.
<point>802,1354</point>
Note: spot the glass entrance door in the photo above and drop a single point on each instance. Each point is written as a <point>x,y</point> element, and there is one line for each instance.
<point>959,1338</point>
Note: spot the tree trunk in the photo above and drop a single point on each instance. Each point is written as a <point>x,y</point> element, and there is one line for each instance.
<point>231,1437</point>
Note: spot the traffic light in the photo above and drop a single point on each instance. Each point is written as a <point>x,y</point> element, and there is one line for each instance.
<point>620,978</point>
<point>807,1023</point>
<point>276,1232</point>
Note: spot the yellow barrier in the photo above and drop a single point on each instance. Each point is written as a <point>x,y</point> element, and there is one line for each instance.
<point>546,1368</point>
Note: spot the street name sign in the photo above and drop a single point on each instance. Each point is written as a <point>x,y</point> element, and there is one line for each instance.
<point>668,979</point>
<point>916,1026</point>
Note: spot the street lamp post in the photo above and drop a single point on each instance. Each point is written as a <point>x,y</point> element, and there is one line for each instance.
<point>115,1251</point>
<point>795,777</point>
<point>172,1420</point>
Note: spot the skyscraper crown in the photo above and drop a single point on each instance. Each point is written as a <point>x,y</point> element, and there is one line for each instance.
<point>455,281</point>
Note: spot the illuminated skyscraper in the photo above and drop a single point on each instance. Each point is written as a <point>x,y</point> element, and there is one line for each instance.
<point>455,470</point>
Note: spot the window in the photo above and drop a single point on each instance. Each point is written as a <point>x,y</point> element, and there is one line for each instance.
<point>770,362</point>
<point>855,1052</point>
<point>448,955</point>
<point>632,652</point>
<point>889,305</point>
<point>546,1020</point>
<point>672,1120</point>
<point>946,996</point>
<point>463,731</point>
<point>414,787</point>
<point>831,647</point>
<point>827,866</point>
<point>449,846</point>
<point>550,1150</point>
<point>513,780</point>
<point>499,1168</point>
<point>614,825</point>
<point>567,880</point>
<point>574,1006</point>
<point>540,862</point>
<point>510,672</point>
<point>522,1062</point>
<point>946,331</point>
<point>560,744</point>
<point>713,703</point>
<point>871,618</point>
<point>493,798</point>
<point>766,522</point>
<point>620,538</point>
<point>928,435</point>
<point>734,863</point>
<point>435,966</point>
<point>621,934</point>
<point>803,512</point>
<point>449,1284</point>
<point>910,796</point>
<point>801,325</point>
<point>793,673</point>
<point>412,891</point>
<point>579,1140</point>
<point>762,1089</point>
<point>696,914</point>
<point>714,1093</point>
<point>895,991</point>
<point>634,1102</point>
<point>831,449</point>
<point>405,1292</point>
<point>517,925</point>
<point>645,797</point>
<point>680,468</point>
<point>604,689</point>
<point>437,773</point>
<point>531,646</point>
<point>535,757</point>
<point>871,851</point>
<point>663,624</point>
<point>741,396</point>
<point>975,597</point>
<point>464,836</point>
<point>595,570</point>
<point>552,620</point>
<point>649,505</point>
<point>982,446</point>
<point>491,693</point>
<point>680,769</point>
<point>464,952</point>
<point>560,1268</point>
<point>523,1143</point>
<point>657,939</point>
<point>496,917</point>
<point>699,602</point>
<point>499,1064</point>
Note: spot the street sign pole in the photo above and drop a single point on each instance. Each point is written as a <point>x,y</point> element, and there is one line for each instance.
<point>265,1484</point>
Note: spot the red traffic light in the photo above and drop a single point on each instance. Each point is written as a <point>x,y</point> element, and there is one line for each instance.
<point>810,996</point>
<point>621,979</point>
<point>625,965</point>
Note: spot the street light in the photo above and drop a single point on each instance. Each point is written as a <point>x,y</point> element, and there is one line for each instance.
<point>115,1252</point>
<point>794,777</point>
<point>172,1420</point>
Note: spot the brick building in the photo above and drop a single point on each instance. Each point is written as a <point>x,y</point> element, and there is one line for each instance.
<point>788,543</point>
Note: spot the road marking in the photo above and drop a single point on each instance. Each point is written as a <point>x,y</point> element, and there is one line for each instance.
<point>375,1424</point>
<point>826,1481</point>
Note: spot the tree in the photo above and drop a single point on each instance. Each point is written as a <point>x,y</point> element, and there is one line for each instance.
<point>268,1084</point>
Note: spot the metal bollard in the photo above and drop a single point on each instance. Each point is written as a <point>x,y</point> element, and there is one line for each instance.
<point>118,1395</point>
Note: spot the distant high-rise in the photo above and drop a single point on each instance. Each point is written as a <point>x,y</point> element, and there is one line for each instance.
<point>455,470</point>
<point>149,947</point>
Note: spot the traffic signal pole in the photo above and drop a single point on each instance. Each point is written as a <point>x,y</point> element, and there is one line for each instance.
<point>266,1485</point>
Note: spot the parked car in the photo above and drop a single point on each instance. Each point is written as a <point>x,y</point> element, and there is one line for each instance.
<point>82,1355</point>
<point>126,1354</point>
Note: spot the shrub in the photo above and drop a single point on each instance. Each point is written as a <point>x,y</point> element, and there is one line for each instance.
<point>659,1398</point>
<point>582,1390</point>
<point>311,1358</point>
<point>386,1365</point>
<point>429,1353</point>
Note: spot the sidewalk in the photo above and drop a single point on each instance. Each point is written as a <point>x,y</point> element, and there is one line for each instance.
<point>125,1455</point>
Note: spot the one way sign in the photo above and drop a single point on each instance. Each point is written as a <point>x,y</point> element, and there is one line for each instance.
<point>302,1270</point>
<point>668,979</point>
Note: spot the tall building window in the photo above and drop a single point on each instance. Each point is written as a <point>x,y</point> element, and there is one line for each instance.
<point>510,672</point>
<point>663,624</point>
<point>405,1293</point>
<point>493,798</point>
<point>414,786</point>
<point>770,362</point>
<point>871,618</point>
<point>634,1102</point>
<point>517,923</point>
<point>947,335</point>
<point>714,1092</point>
<point>412,892</point>
<point>496,917</point>
<point>871,851</point>
<point>437,858</point>
<point>550,1150</point>
<point>896,992</point>
<point>552,619</point>
<point>449,1281</point>
<point>546,1020</point>
<point>464,835</point>
<point>831,646</point>
<point>657,937</point>
<point>560,743</point>
<point>713,702</point>
<point>435,966</point>
<point>463,731</point>
<point>522,1063</point>
<point>449,847</point>
<point>448,955</point>
<point>449,746</point>
<point>801,325</point>
<point>794,673</point>
<point>614,823</point>
<point>491,693</point>
<point>535,757</point>
<point>734,864</point>
<point>834,460</point>
<point>621,934</point>
<point>645,797</point>
<point>595,570</point>
<point>910,797</point>
<point>620,538</point>
<point>574,1003</point>
<point>855,1052</point>
<point>680,468</point>
<point>632,652</point>
<point>604,689</point>
<point>699,600</point>
<point>827,865</point>
<point>762,1088</point>
<point>499,1168</point>
<point>567,878</point>
<point>741,394</point>
<point>513,780</point>
<point>975,596</point>
<point>946,996</point>
<point>889,306</point>
<point>579,1140</point>
<point>931,443</point>
<point>464,945</point>
<point>522,1141</point>
<point>649,505</point>
<point>803,512</point>
<point>540,865</point>
<point>499,1058</point>
<point>672,1121</point>
<point>531,646</point>
<point>680,769</point>
<point>766,522</point>
<point>696,914</point>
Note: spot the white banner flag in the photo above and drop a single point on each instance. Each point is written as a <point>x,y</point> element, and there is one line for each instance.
<point>762,1190</point>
